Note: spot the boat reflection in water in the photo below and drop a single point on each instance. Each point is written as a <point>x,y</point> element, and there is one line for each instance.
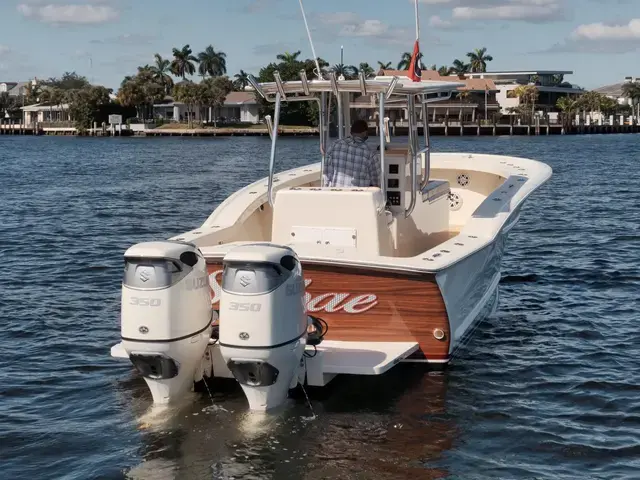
<point>388,426</point>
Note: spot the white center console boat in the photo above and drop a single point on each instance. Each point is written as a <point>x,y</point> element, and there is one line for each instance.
<point>292,282</point>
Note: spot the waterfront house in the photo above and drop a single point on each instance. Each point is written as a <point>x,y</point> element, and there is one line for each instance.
<point>616,92</point>
<point>550,85</point>
<point>477,99</point>
<point>6,86</point>
<point>45,113</point>
<point>15,89</point>
<point>238,107</point>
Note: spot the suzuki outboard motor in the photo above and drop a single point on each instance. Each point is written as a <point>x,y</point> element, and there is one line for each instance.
<point>166,315</point>
<point>263,325</point>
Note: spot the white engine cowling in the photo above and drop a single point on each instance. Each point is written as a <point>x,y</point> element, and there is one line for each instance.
<point>166,315</point>
<point>263,324</point>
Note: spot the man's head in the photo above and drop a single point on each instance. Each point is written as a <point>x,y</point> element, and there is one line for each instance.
<point>360,129</point>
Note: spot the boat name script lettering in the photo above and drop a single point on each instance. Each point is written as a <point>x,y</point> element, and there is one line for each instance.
<point>327,302</point>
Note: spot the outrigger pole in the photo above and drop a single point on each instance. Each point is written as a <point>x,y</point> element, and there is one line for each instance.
<point>313,50</point>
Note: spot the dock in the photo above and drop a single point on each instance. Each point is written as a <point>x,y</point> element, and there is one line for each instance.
<point>435,129</point>
<point>20,129</point>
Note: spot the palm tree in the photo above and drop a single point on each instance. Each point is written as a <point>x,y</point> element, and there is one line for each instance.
<point>32,93</point>
<point>479,59</point>
<point>444,71</point>
<point>632,91</point>
<point>348,71</point>
<point>557,80</point>
<point>212,63</point>
<point>528,95</point>
<point>567,105</point>
<point>459,67</point>
<point>405,61</point>
<point>289,58</point>
<point>384,66</point>
<point>241,80</point>
<point>182,64</point>
<point>161,71</point>
<point>365,68</point>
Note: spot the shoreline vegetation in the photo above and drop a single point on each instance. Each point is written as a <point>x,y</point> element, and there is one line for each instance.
<point>79,107</point>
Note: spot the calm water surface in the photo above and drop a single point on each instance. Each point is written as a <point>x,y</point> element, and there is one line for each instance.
<point>548,388</point>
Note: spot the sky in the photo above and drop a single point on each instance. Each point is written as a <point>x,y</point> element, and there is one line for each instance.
<point>599,40</point>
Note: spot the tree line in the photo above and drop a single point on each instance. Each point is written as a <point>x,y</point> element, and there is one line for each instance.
<point>166,78</point>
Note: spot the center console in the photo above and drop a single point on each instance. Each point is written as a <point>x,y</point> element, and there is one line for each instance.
<point>397,177</point>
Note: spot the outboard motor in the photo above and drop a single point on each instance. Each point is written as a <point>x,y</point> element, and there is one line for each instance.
<point>263,325</point>
<point>166,315</point>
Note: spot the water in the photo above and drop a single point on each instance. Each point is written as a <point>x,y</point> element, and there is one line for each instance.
<point>548,388</point>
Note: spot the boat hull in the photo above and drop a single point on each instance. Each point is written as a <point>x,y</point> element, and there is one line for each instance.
<point>438,311</point>
<point>470,290</point>
<point>365,305</point>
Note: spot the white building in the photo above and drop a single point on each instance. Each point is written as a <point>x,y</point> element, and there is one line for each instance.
<point>549,83</point>
<point>239,107</point>
<point>6,86</point>
<point>15,89</point>
<point>616,91</point>
<point>45,112</point>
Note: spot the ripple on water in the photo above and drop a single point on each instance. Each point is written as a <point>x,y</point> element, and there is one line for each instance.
<point>547,388</point>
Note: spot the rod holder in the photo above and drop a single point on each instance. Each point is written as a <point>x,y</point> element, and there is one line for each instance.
<point>269,122</point>
<point>363,83</point>
<point>305,82</point>
<point>334,83</point>
<point>391,88</point>
<point>387,131</point>
<point>279,85</point>
<point>256,86</point>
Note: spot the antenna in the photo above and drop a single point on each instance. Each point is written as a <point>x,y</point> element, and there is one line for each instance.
<point>417,21</point>
<point>313,50</point>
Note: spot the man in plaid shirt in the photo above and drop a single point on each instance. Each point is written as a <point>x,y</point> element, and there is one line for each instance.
<point>350,163</point>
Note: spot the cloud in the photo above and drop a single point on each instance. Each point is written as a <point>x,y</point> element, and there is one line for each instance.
<point>70,13</point>
<point>125,39</point>
<point>601,31</point>
<point>435,2</point>
<point>601,38</point>
<point>255,6</point>
<point>276,48</point>
<point>437,22</point>
<point>533,11</point>
<point>522,10</point>
<point>4,50</point>
<point>350,24</point>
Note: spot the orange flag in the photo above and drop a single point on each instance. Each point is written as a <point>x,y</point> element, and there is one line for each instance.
<point>415,72</point>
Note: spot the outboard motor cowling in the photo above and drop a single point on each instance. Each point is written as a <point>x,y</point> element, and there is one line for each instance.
<point>166,315</point>
<point>263,324</point>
